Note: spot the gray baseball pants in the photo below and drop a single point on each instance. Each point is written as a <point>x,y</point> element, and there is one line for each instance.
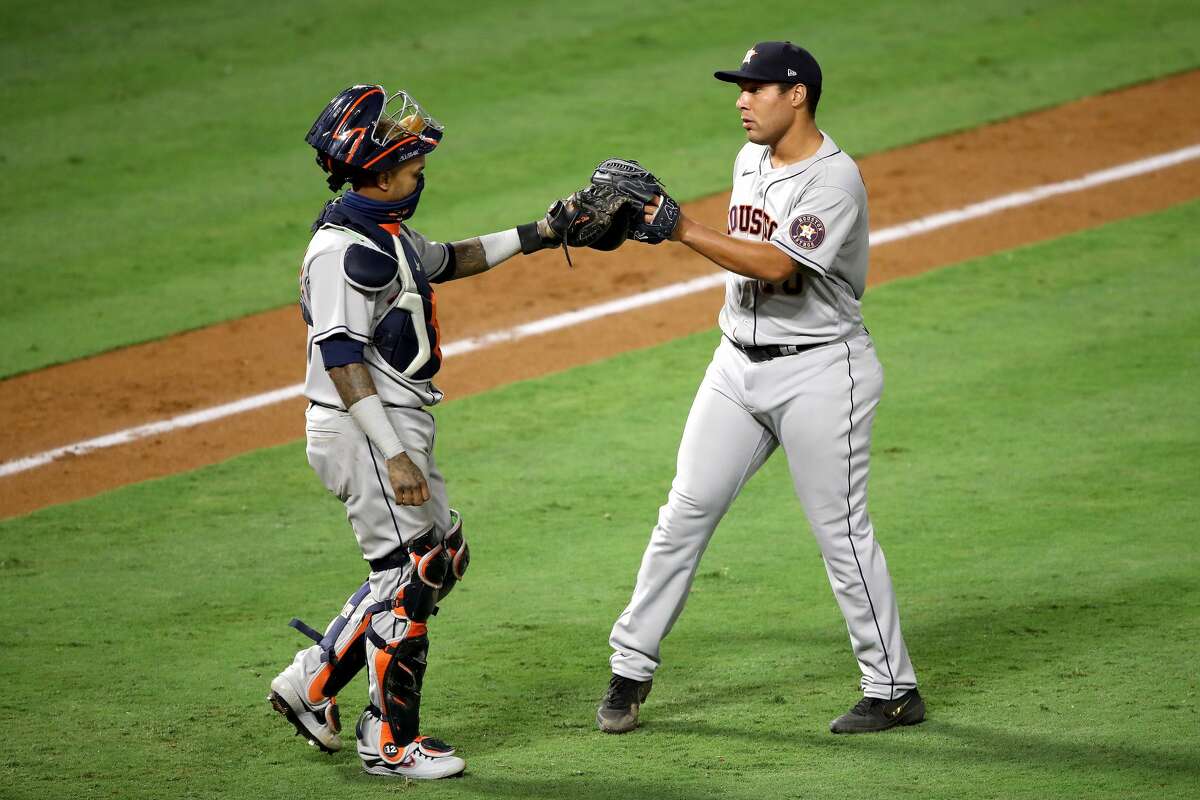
<point>819,405</point>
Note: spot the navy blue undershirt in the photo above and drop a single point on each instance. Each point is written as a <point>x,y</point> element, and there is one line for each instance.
<point>339,350</point>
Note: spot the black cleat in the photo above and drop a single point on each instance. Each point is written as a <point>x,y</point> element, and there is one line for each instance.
<point>618,711</point>
<point>872,714</point>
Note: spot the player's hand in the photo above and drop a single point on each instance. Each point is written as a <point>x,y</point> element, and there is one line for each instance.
<point>550,237</point>
<point>651,209</point>
<point>408,482</point>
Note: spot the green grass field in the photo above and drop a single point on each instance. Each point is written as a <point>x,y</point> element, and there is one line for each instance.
<point>159,178</point>
<point>1034,487</point>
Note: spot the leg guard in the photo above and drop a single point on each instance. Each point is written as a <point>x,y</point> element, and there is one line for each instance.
<point>416,577</point>
<point>305,691</point>
<point>398,664</point>
<point>340,653</point>
<point>403,675</point>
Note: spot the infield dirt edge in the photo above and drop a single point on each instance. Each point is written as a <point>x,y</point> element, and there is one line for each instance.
<point>70,402</point>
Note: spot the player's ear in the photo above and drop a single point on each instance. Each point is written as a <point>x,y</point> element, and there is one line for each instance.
<point>799,95</point>
<point>384,180</point>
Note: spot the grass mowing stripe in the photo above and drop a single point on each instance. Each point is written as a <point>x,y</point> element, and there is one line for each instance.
<point>1033,487</point>
<point>189,196</point>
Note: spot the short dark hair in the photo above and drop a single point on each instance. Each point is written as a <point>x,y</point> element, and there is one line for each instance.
<point>812,98</point>
<point>341,173</point>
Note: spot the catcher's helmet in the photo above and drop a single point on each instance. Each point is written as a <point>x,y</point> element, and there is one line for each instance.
<point>364,128</point>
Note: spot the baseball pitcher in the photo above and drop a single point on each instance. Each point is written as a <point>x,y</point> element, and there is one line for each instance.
<point>795,369</point>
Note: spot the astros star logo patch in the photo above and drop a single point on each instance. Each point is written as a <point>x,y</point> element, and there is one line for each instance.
<point>751,53</point>
<point>807,232</point>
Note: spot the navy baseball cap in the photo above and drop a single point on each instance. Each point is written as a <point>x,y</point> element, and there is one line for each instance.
<point>775,62</point>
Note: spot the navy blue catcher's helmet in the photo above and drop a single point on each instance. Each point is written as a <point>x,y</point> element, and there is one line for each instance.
<point>364,128</point>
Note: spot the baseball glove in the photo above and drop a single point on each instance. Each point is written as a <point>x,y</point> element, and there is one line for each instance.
<point>595,216</point>
<point>632,180</point>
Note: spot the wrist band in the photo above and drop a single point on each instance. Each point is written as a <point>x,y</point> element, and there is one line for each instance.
<point>531,239</point>
<point>371,417</point>
<point>500,246</point>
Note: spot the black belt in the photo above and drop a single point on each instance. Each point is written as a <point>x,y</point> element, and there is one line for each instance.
<point>312,403</point>
<point>401,555</point>
<point>396,558</point>
<point>766,352</point>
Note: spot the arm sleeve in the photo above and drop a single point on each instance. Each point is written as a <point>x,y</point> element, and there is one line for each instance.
<point>817,227</point>
<point>337,307</point>
<point>339,350</point>
<point>437,259</point>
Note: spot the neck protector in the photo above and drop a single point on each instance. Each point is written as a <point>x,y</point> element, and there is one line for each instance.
<point>381,212</point>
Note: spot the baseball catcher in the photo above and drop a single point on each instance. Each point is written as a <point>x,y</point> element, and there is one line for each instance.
<point>374,346</point>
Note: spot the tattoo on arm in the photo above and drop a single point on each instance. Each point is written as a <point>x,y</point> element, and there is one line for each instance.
<point>353,383</point>
<point>469,258</point>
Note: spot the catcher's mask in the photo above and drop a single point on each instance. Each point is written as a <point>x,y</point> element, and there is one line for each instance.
<point>365,128</point>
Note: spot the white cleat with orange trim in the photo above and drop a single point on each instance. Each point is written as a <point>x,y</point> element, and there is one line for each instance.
<point>425,758</point>
<point>319,724</point>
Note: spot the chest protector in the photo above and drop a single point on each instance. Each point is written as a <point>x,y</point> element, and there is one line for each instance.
<point>407,337</point>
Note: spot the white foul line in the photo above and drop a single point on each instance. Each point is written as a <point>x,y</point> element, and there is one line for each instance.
<point>1028,196</point>
<point>621,305</point>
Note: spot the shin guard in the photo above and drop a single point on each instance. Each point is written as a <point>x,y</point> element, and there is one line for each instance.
<point>397,644</point>
<point>402,665</point>
<point>341,651</point>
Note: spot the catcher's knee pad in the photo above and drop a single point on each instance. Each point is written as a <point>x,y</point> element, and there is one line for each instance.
<point>434,566</point>
<point>400,687</point>
<point>343,645</point>
<point>457,551</point>
<point>430,564</point>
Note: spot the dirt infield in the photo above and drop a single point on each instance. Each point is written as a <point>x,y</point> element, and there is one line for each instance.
<point>110,392</point>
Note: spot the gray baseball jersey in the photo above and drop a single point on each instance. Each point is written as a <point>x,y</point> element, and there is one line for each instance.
<point>389,305</point>
<point>816,212</point>
<point>817,404</point>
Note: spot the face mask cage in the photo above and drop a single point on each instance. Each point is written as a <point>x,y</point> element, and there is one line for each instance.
<point>402,117</point>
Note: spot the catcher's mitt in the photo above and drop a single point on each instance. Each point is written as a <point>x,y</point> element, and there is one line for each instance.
<point>632,180</point>
<point>595,216</point>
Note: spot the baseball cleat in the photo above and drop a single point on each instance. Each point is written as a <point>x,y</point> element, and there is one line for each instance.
<point>618,711</point>
<point>424,758</point>
<point>873,714</point>
<point>319,725</point>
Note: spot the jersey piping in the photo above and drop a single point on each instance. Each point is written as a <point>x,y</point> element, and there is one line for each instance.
<point>754,286</point>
